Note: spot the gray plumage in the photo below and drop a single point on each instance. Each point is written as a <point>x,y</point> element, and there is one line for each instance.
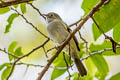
<point>57,31</point>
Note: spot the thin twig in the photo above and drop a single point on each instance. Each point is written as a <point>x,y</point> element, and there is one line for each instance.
<point>26,70</point>
<point>98,5</point>
<point>33,50</point>
<point>50,49</point>
<point>36,65</point>
<point>45,52</point>
<point>12,2</point>
<point>66,65</point>
<point>106,36</point>
<point>75,23</point>
<point>70,57</point>
<point>37,10</point>
<point>98,52</point>
<point>114,43</point>
<point>98,26</point>
<point>86,43</point>
<point>4,50</point>
<point>29,22</point>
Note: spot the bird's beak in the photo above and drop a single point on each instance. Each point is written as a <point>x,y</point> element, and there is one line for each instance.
<point>45,16</point>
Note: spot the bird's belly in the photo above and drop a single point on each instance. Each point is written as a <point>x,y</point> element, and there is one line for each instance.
<point>56,34</point>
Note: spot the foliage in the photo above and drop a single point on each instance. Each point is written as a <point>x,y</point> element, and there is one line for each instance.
<point>10,21</point>
<point>102,69</point>
<point>59,62</point>
<point>6,71</point>
<point>4,10</point>
<point>23,7</point>
<point>115,77</point>
<point>7,66</point>
<point>17,51</point>
<point>12,17</point>
<point>107,17</point>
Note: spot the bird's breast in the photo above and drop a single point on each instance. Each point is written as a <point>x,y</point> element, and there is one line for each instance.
<point>56,32</point>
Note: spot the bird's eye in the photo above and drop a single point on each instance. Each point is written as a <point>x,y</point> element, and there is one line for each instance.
<point>51,15</point>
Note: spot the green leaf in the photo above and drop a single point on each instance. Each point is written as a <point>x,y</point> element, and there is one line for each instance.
<point>31,1</point>
<point>4,65</point>
<point>76,76</point>
<point>86,78</point>
<point>18,51</point>
<point>101,64</point>
<point>90,67</point>
<point>87,5</point>
<point>96,32</point>
<point>59,62</point>
<point>111,53</point>
<point>10,21</point>
<point>11,48</point>
<point>118,51</point>
<point>116,33</point>
<point>99,76</point>
<point>81,46</point>
<point>23,7</point>
<point>56,73</point>
<point>5,73</point>
<point>15,6</point>
<point>106,44</point>
<point>105,18</point>
<point>4,10</point>
<point>115,77</point>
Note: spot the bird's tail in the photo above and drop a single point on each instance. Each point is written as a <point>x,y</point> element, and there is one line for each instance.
<point>80,67</point>
<point>73,53</point>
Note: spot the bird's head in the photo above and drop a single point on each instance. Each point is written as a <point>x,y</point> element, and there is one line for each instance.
<point>52,16</point>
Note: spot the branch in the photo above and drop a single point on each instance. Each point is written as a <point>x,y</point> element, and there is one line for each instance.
<point>37,10</point>
<point>50,49</point>
<point>98,52</point>
<point>69,56</point>
<point>75,23</point>
<point>86,43</point>
<point>114,43</point>
<point>35,65</point>
<point>98,5</point>
<point>3,50</point>
<point>33,50</point>
<point>29,22</point>
<point>45,52</point>
<point>12,2</point>
<point>66,65</point>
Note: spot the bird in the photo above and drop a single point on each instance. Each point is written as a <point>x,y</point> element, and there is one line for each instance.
<point>58,31</point>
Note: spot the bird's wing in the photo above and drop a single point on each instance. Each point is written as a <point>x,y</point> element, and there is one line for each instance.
<point>74,38</point>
